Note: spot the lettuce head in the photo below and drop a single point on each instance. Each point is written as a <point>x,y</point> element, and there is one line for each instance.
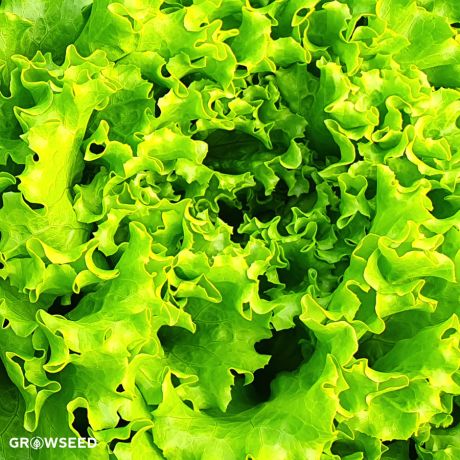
<point>230,229</point>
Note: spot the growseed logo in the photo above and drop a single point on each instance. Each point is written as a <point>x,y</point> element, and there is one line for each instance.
<point>37,443</point>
